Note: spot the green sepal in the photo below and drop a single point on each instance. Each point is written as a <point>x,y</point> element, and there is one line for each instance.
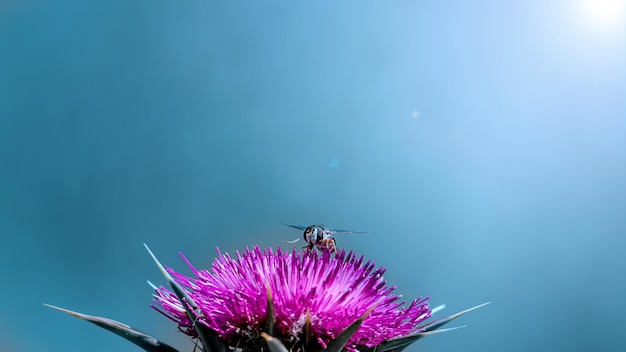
<point>145,341</point>
<point>273,343</point>
<point>342,339</point>
<point>211,342</point>
<point>431,328</point>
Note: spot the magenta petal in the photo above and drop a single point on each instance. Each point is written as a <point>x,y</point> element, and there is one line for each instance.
<point>334,290</point>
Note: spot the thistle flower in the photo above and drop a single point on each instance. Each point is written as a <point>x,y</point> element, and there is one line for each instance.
<point>285,301</point>
<point>314,296</point>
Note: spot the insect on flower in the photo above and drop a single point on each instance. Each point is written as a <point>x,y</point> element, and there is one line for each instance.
<point>265,300</point>
<point>318,236</point>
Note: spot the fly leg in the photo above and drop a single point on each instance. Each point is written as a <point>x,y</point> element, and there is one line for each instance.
<point>308,248</point>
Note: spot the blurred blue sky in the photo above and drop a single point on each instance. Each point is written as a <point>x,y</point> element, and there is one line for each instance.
<point>483,141</point>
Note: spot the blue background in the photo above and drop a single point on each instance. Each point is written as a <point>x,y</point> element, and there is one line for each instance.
<point>483,141</point>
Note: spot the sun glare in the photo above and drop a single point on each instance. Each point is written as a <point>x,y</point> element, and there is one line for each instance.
<point>591,29</point>
<point>603,15</point>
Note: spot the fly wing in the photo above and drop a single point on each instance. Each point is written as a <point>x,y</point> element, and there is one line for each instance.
<point>342,232</point>
<point>295,226</point>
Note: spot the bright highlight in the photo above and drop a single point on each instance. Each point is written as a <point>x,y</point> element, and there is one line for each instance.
<point>603,15</point>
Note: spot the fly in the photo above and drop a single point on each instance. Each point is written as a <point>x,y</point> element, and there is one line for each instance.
<point>318,236</point>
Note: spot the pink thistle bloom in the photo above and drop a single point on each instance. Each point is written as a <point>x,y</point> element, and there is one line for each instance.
<point>314,296</point>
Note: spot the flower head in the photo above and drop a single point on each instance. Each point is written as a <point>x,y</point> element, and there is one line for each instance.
<point>313,298</point>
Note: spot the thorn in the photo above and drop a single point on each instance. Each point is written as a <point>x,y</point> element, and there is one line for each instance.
<point>438,331</point>
<point>438,323</point>
<point>438,308</point>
